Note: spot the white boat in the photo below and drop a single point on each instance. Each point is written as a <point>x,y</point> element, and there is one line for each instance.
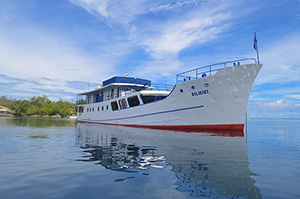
<point>212,97</point>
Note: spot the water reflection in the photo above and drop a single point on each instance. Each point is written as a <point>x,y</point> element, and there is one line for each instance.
<point>115,155</point>
<point>203,166</point>
<point>37,122</point>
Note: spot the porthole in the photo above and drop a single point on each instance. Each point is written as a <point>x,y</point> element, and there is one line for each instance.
<point>181,90</point>
<point>192,87</point>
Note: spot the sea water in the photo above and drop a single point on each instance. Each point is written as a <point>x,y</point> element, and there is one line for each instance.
<point>60,158</point>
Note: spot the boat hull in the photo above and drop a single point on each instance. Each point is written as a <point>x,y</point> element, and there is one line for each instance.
<point>216,102</point>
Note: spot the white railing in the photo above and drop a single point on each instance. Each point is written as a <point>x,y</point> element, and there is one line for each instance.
<point>209,69</point>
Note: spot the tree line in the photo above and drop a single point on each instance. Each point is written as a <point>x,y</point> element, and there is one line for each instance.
<point>40,106</point>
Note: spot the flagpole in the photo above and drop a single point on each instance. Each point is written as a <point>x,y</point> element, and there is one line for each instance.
<point>255,46</point>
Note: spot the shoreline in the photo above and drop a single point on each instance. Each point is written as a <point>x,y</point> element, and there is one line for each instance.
<point>36,116</point>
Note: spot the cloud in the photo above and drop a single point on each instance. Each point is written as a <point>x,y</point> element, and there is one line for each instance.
<point>199,22</point>
<point>162,29</point>
<point>280,108</point>
<point>54,88</point>
<point>38,54</point>
<point>37,58</point>
<point>113,11</point>
<point>177,5</point>
<point>58,46</point>
<point>280,104</point>
<point>170,39</point>
<point>294,96</point>
<point>125,12</point>
<point>271,91</point>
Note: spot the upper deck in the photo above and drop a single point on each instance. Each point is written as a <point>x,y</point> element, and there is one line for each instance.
<point>116,87</point>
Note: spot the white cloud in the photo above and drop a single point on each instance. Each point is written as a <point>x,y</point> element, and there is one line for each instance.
<point>38,54</point>
<point>294,96</point>
<point>124,12</point>
<point>158,69</point>
<point>177,35</point>
<point>174,5</point>
<point>38,62</point>
<point>282,91</point>
<point>181,24</point>
<point>280,104</point>
<point>164,38</point>
<point>54,88</point>
<point>114,11</point>
<point>280,108</point>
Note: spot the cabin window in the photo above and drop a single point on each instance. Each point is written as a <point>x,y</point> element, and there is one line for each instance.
<point>122,103</point>
<point>80,109</point>
<point>102,108</point>
<point>93,108</point>
<point>112,93</point>
<point>106,107</point>
<point>133,101</point>
<point>114,105</point>
<point>98,108</point>
<point>149,99</point>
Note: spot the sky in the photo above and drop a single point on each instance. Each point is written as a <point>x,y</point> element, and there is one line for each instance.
<point>60,48</point>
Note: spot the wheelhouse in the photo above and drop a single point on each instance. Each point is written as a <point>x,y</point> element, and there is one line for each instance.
<point>120,93</point>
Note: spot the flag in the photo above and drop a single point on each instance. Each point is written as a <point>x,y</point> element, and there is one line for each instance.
<point>256,47</point>
<point>255,42</point>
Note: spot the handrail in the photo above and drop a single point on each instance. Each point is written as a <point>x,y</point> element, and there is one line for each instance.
<point>162,87</point>
<point>208,69</point>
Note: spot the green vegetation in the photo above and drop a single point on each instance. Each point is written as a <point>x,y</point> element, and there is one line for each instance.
<point>40,106</point>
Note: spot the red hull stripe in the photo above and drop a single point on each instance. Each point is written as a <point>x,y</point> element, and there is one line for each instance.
<point>215,129</point>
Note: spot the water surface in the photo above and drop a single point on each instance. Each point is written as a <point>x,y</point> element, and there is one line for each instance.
<point>58,158</point>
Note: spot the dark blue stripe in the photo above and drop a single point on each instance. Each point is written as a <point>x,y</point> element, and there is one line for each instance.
<point>162,112</point>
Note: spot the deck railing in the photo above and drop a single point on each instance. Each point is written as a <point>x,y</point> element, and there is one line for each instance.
<point>162,87</point>
<point>83,99</point>
<point>209,69</point>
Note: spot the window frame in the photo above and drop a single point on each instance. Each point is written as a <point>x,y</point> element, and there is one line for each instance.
<point>131,101</point>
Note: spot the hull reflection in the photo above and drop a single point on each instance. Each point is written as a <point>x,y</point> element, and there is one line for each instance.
<point>204,166</point>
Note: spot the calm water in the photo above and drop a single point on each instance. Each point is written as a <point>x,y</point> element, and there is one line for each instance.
<point>56,158</point>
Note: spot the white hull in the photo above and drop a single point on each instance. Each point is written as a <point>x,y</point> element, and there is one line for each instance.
<point>215,102</point>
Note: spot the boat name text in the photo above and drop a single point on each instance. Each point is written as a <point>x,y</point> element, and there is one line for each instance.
<point>200,93</point>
